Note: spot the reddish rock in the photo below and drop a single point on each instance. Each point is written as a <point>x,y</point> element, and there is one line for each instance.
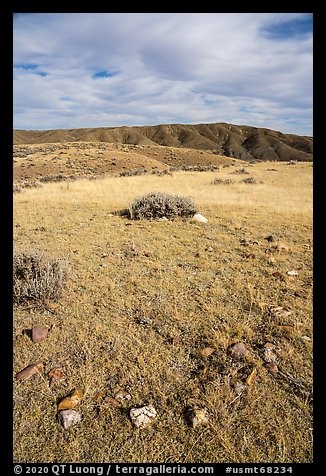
<point>39,333</point>
<point>55,375</point>
<point>238,351</point>
<point>272,367</point>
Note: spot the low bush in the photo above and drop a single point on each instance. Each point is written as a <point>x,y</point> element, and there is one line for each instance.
<point>57,178</point>
<point>250,180</point>
<point>218,181</point>
<point>241,171</point>
<point>37,278</point>
<point>17,188</point>
<point>158,205</point>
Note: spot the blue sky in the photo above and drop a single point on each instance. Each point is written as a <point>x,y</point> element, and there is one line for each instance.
<point>76,70</point>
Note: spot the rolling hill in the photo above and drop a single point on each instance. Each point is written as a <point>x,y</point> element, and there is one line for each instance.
<point>241,142</point>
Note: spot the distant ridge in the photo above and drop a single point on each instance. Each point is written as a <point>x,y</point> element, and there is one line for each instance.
<point>241,142</point>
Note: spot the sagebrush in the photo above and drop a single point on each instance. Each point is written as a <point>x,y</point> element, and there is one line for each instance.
<point>158,205</point>
<point>37,277</point>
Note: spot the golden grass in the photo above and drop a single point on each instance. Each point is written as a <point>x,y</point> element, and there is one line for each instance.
<point>145,298</point>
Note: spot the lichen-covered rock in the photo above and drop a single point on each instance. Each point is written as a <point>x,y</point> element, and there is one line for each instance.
<point>143,416</point>
<point>69,418</point>
<point>268,354</point>
<point>122,396</point>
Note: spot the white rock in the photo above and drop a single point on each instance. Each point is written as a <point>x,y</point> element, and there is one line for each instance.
<point>143,416</point>
<point>292,273</point>
<point>69,418</point>
<point>199,218</point>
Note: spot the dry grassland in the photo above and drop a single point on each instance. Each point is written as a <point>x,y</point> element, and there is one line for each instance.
<point>146,297</point>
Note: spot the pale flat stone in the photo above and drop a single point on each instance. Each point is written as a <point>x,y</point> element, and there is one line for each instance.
<point>199,218</point>
<point>69,418</point>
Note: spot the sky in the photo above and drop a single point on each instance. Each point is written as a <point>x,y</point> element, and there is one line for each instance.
<point>73,70</point>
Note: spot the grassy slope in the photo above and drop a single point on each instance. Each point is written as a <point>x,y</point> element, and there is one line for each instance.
<point>85,159</point>
<point>146,297</point>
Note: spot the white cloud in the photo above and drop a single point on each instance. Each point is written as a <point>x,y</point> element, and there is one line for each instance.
<point>176,67</point>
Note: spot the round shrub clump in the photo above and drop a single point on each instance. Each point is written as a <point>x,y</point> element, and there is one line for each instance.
<point>38,278</point>
<point>158,205</point>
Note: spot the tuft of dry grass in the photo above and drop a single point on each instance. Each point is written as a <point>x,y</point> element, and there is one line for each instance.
<point>143,301</point>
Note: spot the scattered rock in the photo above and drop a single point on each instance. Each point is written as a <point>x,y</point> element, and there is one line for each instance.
<point>277,274</point>
<point>207,351</point>
<point>143,416</point>
<point>71,401</point>
<point>238,351</point>
<point>292,273</point>
<point>268,354</point>
<point>163,219</point>
<point>245,242</point>
<point>29,371</point>
<point>272,367</point>
<point>197,416</point>
<point>69,418</point>
<point>280,312</point>
<point>113,402</point>
<point>39,333</point>
<point>55,375</point>
<point>199,218</point>
<point>209,249</point>
<point>122,396</point>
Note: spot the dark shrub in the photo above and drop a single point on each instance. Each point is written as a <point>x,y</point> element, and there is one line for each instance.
<point>158,205</point>
<point>241,171</point>
<point>37,278</point>
<point>221,181</point>
<point>250,180</point>
<point>17,188</point>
